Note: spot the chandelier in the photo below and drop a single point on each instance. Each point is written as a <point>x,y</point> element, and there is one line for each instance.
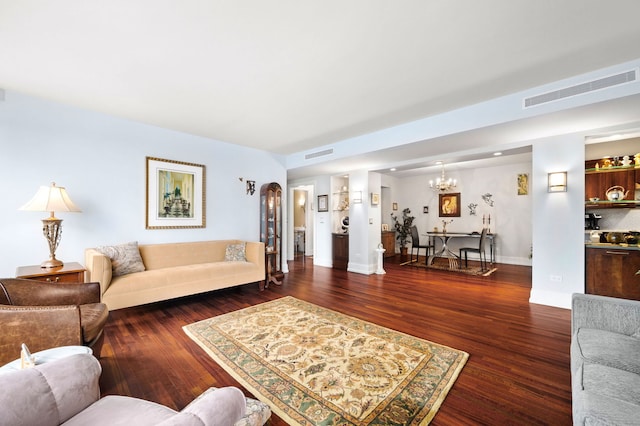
<point>442,183</point>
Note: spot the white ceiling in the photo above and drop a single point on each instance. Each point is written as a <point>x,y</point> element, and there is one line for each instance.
<point>291,75</point>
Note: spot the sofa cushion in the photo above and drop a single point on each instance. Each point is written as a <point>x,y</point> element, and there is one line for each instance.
<point>611,382</point>
<point>605,396</point>
<point>125,258</point>
<point>235,253</point>
<point>116,410</point>
<point>609,349</point>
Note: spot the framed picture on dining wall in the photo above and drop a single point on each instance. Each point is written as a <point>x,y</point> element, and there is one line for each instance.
<point>449,205</point>
<point>175,194</point>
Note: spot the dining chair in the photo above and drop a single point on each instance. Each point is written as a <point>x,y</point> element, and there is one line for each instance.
<point>480,250</point>
<point>415,244</point>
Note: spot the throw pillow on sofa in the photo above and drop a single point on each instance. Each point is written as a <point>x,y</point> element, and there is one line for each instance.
<point>235,253</point>
<point>125,258</point>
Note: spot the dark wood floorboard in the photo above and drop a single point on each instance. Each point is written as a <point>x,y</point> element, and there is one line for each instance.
<point>517,373</point>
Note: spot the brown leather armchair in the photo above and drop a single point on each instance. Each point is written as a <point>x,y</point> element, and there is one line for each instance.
<point>45,315</point>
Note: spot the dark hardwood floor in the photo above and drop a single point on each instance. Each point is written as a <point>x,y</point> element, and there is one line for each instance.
<point>517,373</point>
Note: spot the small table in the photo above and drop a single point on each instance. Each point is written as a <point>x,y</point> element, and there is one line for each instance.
<point>446,252</point>
<point>48,355</point>
<point>71,272</point>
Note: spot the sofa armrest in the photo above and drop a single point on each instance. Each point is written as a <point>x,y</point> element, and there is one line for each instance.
<point>50,393</point>
<point>605,313</point>
<point>99,268</point>
<point>40,327</point>
<point>214,407</point>
<point>254,252</point>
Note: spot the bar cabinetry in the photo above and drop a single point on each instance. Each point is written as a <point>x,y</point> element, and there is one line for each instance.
<point>611,271</point>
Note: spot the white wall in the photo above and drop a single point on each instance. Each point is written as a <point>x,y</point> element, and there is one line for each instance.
<point>558,221</point>
<point>510,213</point>
<point>101,161</point>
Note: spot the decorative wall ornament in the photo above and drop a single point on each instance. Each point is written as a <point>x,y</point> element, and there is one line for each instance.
<point>487,199</point>
<point>472,209</point>
<point>251,186</point>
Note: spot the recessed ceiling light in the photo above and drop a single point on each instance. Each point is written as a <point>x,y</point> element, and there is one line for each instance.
<point>393,169</point>
<point>438,162</point>
<point>497,153</point>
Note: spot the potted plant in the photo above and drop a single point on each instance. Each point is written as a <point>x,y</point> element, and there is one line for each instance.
<point>403,228</point>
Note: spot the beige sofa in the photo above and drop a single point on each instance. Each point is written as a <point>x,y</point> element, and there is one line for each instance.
<point>174,270</point>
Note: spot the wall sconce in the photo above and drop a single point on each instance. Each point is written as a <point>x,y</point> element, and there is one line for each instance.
<point>301,203</point>
<point>357,197</point>
<point>557,182</point>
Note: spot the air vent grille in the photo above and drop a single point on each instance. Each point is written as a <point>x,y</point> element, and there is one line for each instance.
<point>318,154</point>
<point>579,89</point>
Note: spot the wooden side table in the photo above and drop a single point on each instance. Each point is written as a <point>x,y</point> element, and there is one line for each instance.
<point>71,272</point>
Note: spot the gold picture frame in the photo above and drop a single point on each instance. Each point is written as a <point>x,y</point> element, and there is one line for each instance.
<point>449,205</point>
<point>176,196</point>
<point>375,199</point>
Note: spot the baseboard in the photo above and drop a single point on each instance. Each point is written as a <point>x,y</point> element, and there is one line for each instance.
<point>327,263</point>
<point>550,298</point>
<point>360,268</point>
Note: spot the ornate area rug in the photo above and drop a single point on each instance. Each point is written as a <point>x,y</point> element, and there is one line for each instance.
<point>315,366</point>
<point>452,266</point>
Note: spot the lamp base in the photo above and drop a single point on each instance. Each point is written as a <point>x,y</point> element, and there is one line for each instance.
<point>52,263</point>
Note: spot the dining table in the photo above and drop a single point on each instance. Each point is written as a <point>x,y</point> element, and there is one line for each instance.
<point>445,251</point>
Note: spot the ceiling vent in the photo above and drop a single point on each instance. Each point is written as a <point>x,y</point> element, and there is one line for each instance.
<point>318,154</point>
<point>579,89</point>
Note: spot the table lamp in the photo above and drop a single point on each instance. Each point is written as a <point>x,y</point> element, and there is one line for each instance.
<point>51,199</point>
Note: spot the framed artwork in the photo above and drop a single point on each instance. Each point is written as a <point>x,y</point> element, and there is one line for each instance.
<point>385,227</point>
<point>323,203</point>
<point>395,206</point>
<point>175,194</point>
<point>375,199</point>
<point>523,184</point>
<point>449,205</point>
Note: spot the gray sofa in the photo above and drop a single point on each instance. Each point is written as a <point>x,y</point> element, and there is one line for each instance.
<point>66,392</point>
<point>605,360</point>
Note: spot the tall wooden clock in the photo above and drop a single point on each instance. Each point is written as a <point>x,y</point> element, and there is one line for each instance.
<point>271,231</point>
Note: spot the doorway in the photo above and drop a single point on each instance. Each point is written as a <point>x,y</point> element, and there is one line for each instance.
<point>302,235</point>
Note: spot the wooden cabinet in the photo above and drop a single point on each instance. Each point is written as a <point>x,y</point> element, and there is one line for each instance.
<point>598,181</point>
<point>388,239</point>
<point>271,231</point>
<point>71,272</point>
<point>340,246</point>
<point>611,272</point>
